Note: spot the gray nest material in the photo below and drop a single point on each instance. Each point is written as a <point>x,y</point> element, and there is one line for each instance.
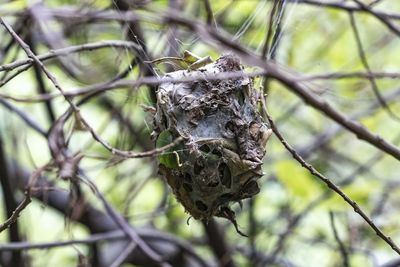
<point>220,160</point>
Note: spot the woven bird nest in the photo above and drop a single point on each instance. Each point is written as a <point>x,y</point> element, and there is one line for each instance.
<point>220,160</point>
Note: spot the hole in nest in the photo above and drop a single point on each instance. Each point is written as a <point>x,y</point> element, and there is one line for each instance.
<point>200,205</point>
<point>225,175</point>
<point>187,178</point>
<point>207,110</point>
<point>229,126</point>
<point>240,96</point>
<point>205,148</point>
<point>197,167</point>
<point>187,187</point>
<point>225,197</point>
<point>213,184</point>
<point>251,188</point>
<point>217,152</point>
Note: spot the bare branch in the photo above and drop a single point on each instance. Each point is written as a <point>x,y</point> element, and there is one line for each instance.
<point>69,50</point>
<point>96,89</point>
<point>392,27</point>
<point>341,5</point>
<point>342,248</point>
<point>25,202</point>
<point>350,75</point>
<point>210,15</point>
<point>364,61</point>
<point>94,238</point>
<point>331,185</point>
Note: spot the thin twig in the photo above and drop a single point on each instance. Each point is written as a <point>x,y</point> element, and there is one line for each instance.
<point>364,62</point>
<point>13,218</point>
<point>342,5</point>
<point>74,107</point>
<point>392,27</point>
<point>217,243</point>
<point>69,50</point>
<point>133,235</point>
<point>267,40</point>
<point>349,75</point>
<point>210,15</point>
<point>25,202</point>
<point>30,121</point>
<point>319,200</point>
<point>107,86</point>
<point>128,230</point>
<point>150,153</point>
<point>331,185</point>
<point>40,84</point>
<point>124,254</point>
<point>342,248</point>
<point>94,238</point>
<point>10,204</point>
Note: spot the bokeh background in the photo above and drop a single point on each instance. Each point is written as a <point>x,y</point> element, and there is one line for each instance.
<point>344,52</point>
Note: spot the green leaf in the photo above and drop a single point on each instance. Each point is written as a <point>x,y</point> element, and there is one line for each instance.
<point>297,180</point>
<point>169,158</point>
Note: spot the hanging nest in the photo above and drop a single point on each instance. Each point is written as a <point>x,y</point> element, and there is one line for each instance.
<point>220,160</point>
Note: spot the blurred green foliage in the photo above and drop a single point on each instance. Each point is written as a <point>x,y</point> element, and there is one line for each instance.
<point>313,40</point>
